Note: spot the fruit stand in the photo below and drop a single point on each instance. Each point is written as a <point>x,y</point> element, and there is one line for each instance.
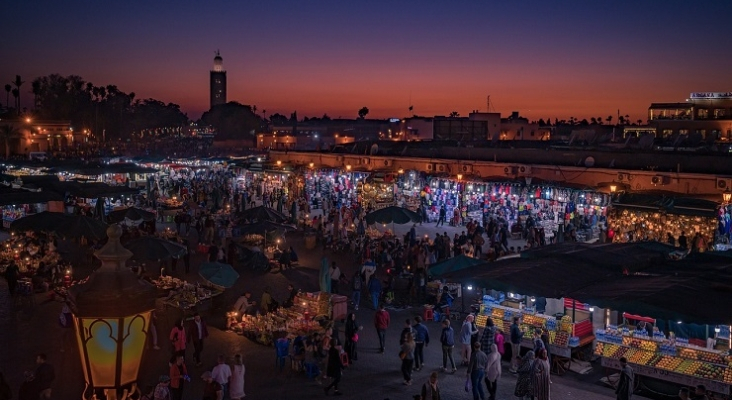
<point>673,360</point>
<point>563,339</point>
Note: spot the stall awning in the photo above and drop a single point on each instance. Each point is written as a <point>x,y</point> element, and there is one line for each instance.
<point>668,204</point>
<point>10,197</point>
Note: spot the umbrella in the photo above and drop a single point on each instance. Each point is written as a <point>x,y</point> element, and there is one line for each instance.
<point>264,228</point>
<point>153,248</point>
<point>253,257</point>
<point>81,225</point>
<point>392,215</point>
<point>262,213</point>
<point>45,221</point>
<point>131,213</point>
<point>454,264</point>
<point>219,274</point>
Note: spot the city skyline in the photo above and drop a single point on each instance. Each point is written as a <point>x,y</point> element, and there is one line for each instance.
<point>543,60</point>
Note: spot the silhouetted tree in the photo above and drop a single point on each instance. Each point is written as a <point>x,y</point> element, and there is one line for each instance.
<point>363,112</point>
<point>17,83</point>
<point>609,119</point>
<point>593,120</point>
<point>8,88</point>
<point>232,121</point>
<point>278,119</point>
<point>454,114</point>
<point>325,117</point>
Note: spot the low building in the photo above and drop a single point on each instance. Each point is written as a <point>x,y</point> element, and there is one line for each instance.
<point>44,136</point>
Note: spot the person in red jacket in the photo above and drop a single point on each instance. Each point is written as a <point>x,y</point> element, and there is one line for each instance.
<point>197,331</point>
<point>381,322</point>
<point>178,374</point>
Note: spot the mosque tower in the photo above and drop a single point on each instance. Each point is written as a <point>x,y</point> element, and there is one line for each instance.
<point>218,81</point>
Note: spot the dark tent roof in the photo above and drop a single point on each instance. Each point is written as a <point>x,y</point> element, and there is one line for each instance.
<point>669,297</point>
<point>19,196</point>
<point>91,190</point>
<point>635,277</point>
<point>669,204</point>
<point>119,168</point>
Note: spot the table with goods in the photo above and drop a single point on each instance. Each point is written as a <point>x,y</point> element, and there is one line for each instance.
<point>309,313</point>
<point>665,358</point>
<point>184,295</point>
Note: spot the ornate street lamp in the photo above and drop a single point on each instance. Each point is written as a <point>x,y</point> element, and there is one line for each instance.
<point>727,196</point>
<point>112,316</point>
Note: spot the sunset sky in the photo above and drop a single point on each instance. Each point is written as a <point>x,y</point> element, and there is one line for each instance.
<point>542,58</point>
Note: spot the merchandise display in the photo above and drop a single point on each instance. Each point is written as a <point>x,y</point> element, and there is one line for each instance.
<point>670,355</point>
<point>636,225</point>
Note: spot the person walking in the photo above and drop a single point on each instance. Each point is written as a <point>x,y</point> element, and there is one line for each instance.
<point>524,388</point>
<point>352,328</point>
<point>624,391</point>
<point>447,338</point>
<point>197,332</point>
<point>421,340</point>
<point>382,319</point>
<point>500,342</point>
<point>516,336</point>
<point>335,369</point>
<point>443,214</point>
<point>407,329</point>
<point>406,353</point>
<point>236,390</point>
<point>430,390</point>
<point>178,374</point>
<point>466,333</point>
<point>43,376</point>
<point>493,372</point>
<point>374,290</point>
<point>489,336</point>
<point>476,371</point>
<point>178,338</point>
<point>541,380</point>
<point>221,373</point>
<point>356,284</point>
<point>335,277</point>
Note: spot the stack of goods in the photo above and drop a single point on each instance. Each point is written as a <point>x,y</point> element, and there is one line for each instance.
<point>189,295</point>
<point>312,305</point>
<point>667,355</point>
<point>168,283</point>
<point>263,329</point>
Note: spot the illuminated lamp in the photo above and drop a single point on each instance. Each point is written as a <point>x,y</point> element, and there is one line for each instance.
<point>279,162</point>
<point>727,196</point>
<point>348,167</point>
<point>459,177</point>
<point>312,165</point>
<point>401,171</point>
<point>112,313</point>
<point>613,188</point>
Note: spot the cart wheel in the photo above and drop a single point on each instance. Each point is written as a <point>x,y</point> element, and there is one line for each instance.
<point>613,382</point>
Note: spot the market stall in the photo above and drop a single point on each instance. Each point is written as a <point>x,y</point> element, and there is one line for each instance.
<point>183,295</point>
<point>666,358</point>
<point>310,312</point>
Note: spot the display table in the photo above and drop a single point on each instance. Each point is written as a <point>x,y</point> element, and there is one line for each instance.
<point>668,360</point>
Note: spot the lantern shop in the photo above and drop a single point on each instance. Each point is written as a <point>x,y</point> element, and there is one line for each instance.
<point>644,217</point>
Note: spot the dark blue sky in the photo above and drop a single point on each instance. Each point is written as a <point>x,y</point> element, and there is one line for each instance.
<point>542,58</point>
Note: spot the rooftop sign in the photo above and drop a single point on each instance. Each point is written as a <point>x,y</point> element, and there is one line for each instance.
<point>711,95</point>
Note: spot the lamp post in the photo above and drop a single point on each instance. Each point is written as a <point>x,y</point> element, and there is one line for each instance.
<point>460,199</point>
<point>112,313</point>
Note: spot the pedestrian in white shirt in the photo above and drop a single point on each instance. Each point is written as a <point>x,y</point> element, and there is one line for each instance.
<point>335,276</point>
<point>221,373</point>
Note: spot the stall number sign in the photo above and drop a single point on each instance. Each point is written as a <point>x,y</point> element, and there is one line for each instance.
<point>681,379</point>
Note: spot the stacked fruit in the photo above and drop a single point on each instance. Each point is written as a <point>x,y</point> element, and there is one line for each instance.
<point>709,371</point>
<point>668,363</point>
<point>728,374</point>
<point>640,344</point>
<point>640,357</point>
<point>481,320</point>
<point>599,347</point>
<point>497,313</point>
<point>688,367</point>
<point>560,339</point>
<point>533,320</point>
<point>711,357</point>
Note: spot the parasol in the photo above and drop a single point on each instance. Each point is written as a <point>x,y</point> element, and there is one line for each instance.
<point>453,264</point>
<point>81,225</point>
<point>218,274</point>
<point>154,248</point>
<point>132,214</point>
<point>262,213</point>
<point>45,221</point>
<point>392,215</point>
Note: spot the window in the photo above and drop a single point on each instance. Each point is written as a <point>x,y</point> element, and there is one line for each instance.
<point>702,113</point>
<point>667,133</point>
<point>720,113</point>
<point>683,131</point>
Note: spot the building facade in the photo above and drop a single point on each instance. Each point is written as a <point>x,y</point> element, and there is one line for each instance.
<point>707,115</point>
<point>218,82</point>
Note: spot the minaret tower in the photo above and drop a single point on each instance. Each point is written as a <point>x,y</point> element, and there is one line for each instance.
<point>218,81</point>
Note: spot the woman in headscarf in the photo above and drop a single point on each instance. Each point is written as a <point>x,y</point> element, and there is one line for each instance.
<point>352,328</point>
<point>541,381</point>
<point>524,388</point>
<point>493,371</point>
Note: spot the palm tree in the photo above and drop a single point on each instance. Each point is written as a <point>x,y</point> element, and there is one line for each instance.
<point>8,133</point>
<point>609,119</point>
<point>16,95</point>
<point>8,88</point>
<point>454,114</point>
<point>17,83</point>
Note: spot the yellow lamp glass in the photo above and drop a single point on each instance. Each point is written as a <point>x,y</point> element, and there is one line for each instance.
<point>112,348</point>
<point>133,346</point>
